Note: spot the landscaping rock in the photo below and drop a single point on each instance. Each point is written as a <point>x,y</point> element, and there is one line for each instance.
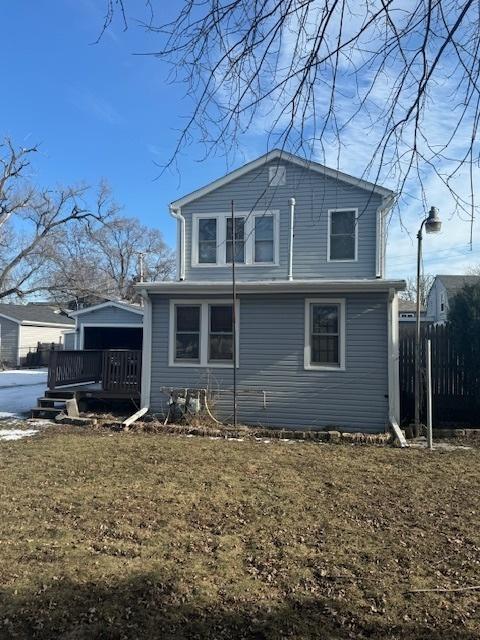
<point>62,418</point>
<point>334,436</point>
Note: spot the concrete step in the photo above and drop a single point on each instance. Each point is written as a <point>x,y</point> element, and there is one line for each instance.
<point>46,412</point>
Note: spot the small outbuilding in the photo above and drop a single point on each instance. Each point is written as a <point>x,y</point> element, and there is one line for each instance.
<point>24,326</point>
<point>109,325</point>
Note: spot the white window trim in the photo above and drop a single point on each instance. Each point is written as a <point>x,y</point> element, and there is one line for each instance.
<point>341,334</point>
<point>204,333</point>
<point>249,234</point>
<point>330,211</point>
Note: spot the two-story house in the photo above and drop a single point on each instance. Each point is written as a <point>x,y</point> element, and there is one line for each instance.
<point>317,322</point>
<point>443,289</point>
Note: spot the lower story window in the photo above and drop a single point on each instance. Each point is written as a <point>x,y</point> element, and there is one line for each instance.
<point>220,338</point>
<point>187,333</point>
<point>201,333</point>
<point>325,334</point>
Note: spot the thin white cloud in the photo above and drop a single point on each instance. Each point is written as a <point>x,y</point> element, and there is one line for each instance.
<point>95,106</point>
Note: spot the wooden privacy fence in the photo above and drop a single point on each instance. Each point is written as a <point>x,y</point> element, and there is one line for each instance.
<point>455,397</point>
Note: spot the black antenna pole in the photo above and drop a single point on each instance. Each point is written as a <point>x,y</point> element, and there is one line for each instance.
<point>234,323</point>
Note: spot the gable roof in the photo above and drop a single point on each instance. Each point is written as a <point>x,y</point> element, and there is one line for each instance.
<point>408,306</point>
<point>278,154</point>
<point>127,306</point>
<point>33,314</point>
<point>453,284</point>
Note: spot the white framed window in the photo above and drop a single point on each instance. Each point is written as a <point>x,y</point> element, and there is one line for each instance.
<point>325,334</point>
<point>264,240</point>
<point>239,240</point>
<point>342,235</point>
<point>277,175</point>
<point>207,240</point>
<point>201,333</point>
<point>257,239</point>
<point>187,325</point>
<point>442,302</point>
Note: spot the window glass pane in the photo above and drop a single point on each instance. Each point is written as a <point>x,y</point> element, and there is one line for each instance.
<point>188,318</point>
<point>207,229</point>
<point>221,319</point>
<point>187,346</point>
<point>324,350</point>
<point>264,239</point>
<point>342,222</point>
<point>207,252</point>
<point>342,248</point>
<point>264,228</point>
<point>207,240</point>
<point>187,336</point>
<point>220,339</point>
<point>221,347</point>
<point>324,318</point>
<point>239,240</point>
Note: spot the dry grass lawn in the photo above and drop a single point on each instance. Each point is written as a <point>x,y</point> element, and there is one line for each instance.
<point>151,536</point>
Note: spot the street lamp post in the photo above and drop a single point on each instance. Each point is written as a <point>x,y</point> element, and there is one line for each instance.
<point>432,224</point>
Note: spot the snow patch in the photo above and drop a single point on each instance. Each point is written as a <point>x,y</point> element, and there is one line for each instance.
<point>16,434</point>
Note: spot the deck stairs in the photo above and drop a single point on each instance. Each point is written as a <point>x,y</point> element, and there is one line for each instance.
<point>53,403</point>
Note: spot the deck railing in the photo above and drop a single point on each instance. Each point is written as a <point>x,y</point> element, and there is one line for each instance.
<point>74,367</point>
<point>117,370</point>
<point>122,371</point>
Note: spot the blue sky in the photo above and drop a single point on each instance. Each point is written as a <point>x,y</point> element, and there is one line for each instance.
<point>101,112</point>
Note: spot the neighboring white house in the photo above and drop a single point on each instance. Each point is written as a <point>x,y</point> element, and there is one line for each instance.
<point>443,289</point>
<point>23,326</point>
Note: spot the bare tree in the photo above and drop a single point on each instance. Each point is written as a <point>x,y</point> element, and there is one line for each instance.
<point>410,293</point>
<point>33,219</point>
<point>320,77</point>
<point>104,260</point>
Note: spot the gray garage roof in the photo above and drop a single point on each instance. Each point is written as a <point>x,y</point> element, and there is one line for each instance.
<point>34,314</point>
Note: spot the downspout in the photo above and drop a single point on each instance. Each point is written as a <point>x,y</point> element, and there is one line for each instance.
<point>177,213</point>
<point>146,378</point>
<point>393,381</point>
<point>290,253</point>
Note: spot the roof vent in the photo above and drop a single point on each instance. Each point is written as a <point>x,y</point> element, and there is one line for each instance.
<point>277,175</point>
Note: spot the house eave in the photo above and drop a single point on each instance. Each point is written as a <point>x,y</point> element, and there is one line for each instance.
<point>110,303</point>
<point>278,154</point>
<point>274,286</point>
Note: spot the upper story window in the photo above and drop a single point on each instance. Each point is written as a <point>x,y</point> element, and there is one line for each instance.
<point>264,239</point>
<point>207,240</point>
<point>442,302</point>
<point>342,235</point>
<point>239,240</point>
<point>277,175</point>
<point>256,239</point>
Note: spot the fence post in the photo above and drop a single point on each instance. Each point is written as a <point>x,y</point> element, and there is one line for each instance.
<point>429,394</point>
<point>52,369</point>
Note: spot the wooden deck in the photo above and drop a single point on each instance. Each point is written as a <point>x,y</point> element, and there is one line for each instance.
<point>107,374</point>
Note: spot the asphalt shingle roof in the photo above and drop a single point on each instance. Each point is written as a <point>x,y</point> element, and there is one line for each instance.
<point>34,313</point>
<point>453,284</point>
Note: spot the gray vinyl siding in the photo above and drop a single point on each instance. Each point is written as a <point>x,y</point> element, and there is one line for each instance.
<point>110,315</point>
<point>271,360</point>
<point>8,342</point>
<point>315,195</point>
